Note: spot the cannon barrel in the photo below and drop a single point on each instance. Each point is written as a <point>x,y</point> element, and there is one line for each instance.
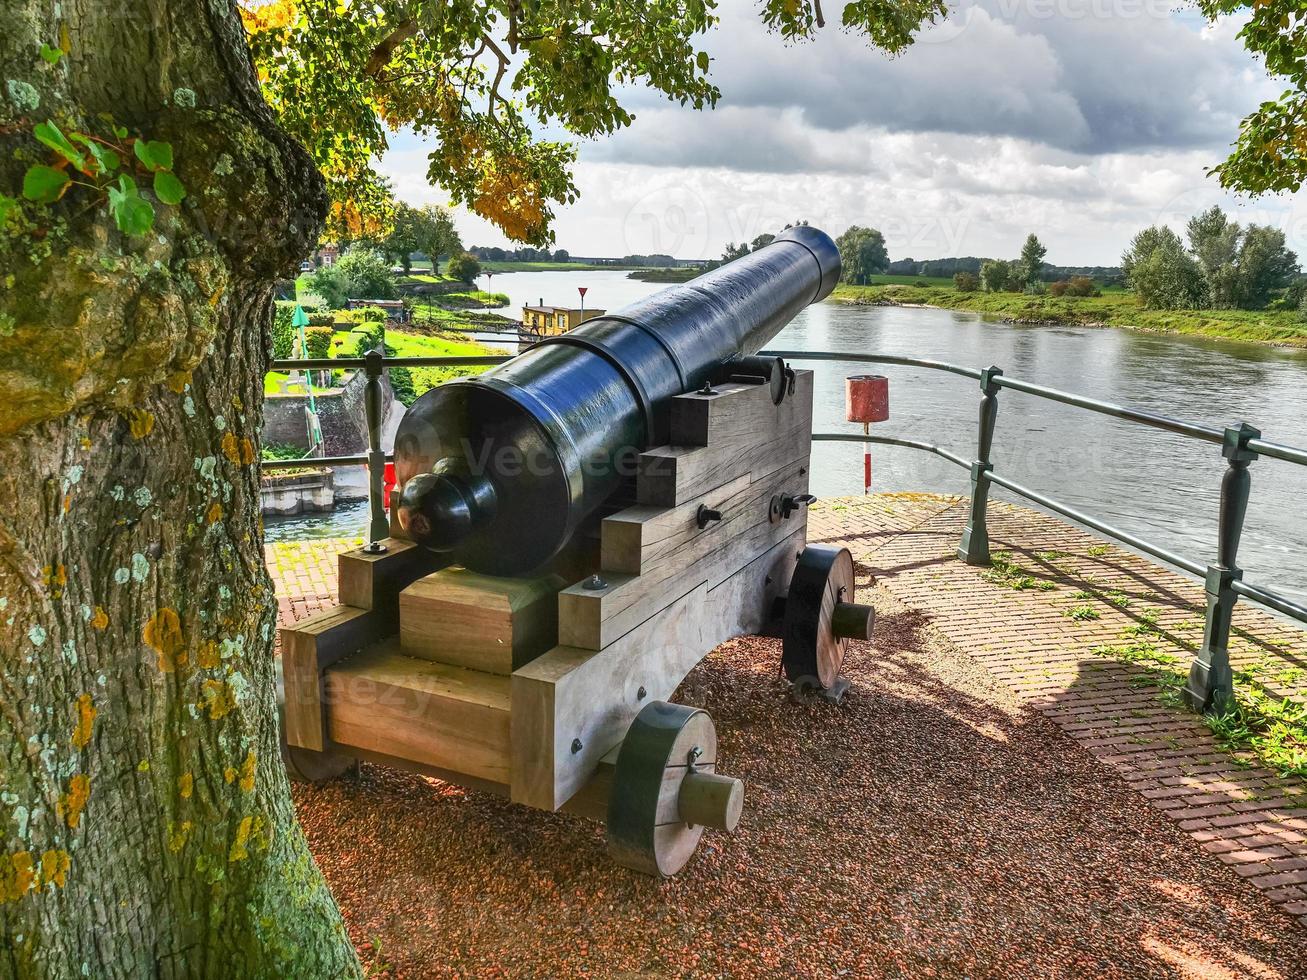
<point>501,469</point>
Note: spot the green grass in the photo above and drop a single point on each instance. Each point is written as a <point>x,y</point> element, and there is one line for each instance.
<point>426,345</point>
<point>888,280</point>
<point>1083,613</point>
<point>405,344</point>
<point>1004,571</point>
<point>1113,308</point>
<point>1257,722</point>
<point>276,383</point>
<point>470,299</point>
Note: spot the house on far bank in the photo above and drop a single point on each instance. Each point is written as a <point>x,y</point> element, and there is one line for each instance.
<point>547,321</point>
<point>327,255</point>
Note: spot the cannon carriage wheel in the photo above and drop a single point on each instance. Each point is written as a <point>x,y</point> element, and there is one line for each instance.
<point>666,789</point>
<point>820,620</point>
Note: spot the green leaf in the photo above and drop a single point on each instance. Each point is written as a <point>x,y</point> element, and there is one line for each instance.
<point>44,185</point>
<point>50,134</point>
<point>133,214</point>
<point>106,157</point>
<point>702,59</point>
<point>168,188</point>
<point>154,154</point>
<point>50,54</point>
<point>120,132</point>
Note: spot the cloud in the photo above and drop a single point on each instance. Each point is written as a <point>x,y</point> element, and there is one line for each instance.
<point>1081,75</point>
<point>1083,120</point>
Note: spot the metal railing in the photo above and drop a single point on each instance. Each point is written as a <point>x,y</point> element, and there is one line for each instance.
<point>1210,675</point>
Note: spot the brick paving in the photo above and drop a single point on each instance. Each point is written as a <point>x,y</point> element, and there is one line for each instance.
<point>1246,816</point>
<point>1249,818</point>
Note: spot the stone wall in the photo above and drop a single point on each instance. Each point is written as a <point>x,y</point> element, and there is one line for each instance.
<point>284,494</point>
<point>341,413</point>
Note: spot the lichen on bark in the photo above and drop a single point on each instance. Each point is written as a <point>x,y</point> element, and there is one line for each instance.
<point>146,827</point>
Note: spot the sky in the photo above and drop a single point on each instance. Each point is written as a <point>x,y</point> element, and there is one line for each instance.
<point>1080,120</point>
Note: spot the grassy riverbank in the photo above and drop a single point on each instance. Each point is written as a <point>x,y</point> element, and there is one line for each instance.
<point>1284,328</point>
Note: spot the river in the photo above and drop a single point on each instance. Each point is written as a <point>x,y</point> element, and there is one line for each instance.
<point>1161,486</point>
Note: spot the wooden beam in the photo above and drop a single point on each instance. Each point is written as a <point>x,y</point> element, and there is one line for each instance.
<point>371,581</point>
<point>662,554</point>
<point>448,717</point>
<point>572,705</point>
<point>307,649</point>
<point>717,438</point>
<point>479,621</point>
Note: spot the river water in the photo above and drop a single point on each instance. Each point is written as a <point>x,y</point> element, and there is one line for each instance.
<point>1160,486</point>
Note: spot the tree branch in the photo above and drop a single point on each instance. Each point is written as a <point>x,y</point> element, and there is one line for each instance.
<point>384,51</point>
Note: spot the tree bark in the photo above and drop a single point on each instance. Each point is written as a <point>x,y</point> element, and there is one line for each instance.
<point>146,826</point>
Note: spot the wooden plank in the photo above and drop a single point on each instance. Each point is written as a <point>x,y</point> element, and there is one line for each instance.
<point>408,765</point>
<point>484,622</point>
<point>717,438</point>
<point>663,554</point>
<point>307,649</point>
<point>448,717</point>
<point>374,581</point>
<point>591,697</point>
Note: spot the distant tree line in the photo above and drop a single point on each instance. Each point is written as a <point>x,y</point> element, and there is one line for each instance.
<point>1224,266</point>
<point>493,253</point>
<point>945,268</point>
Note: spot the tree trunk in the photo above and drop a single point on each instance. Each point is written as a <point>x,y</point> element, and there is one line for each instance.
<point>146,826</point>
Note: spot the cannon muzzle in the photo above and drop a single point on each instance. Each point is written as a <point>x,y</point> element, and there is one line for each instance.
<point>500,470</point>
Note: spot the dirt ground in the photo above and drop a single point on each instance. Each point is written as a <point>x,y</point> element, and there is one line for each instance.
<point>929,826</point>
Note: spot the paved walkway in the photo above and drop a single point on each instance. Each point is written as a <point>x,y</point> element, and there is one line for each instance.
<point>1057,621</point>
<point>1051,623</point>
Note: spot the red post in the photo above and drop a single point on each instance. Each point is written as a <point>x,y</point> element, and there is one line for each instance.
<point>866,400</point>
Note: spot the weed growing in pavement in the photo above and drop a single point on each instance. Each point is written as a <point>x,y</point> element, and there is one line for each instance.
<point>1004,571</point>
<point>1256,724</point>
<point>1082,613</point>
<point>1098,550</point>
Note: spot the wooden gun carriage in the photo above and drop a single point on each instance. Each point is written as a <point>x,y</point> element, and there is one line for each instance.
<point>551,688</point>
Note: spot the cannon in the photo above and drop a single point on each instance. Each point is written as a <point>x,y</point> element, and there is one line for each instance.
<point>562,422</point>
<point>574,531</point>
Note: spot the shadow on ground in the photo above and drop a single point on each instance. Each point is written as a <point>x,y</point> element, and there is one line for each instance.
<point>928,826</point>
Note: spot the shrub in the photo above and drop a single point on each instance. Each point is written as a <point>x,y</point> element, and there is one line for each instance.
<point>401,381</point>
<point>283,334</point>
<point>996,275</point>
<point>318,341</point>
<point>1081,286</point>
<point>1059,288</point>
<point>368,275</point>
<point>464,267</point>
<point>966,282</point>
<point>331,284</point>
<point>369,336</point>
<point>282,450</point>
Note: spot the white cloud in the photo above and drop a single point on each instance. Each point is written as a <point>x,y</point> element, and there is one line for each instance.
<point>1083,120</point>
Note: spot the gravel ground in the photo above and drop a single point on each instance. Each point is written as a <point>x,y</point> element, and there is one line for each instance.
<point>927,827</point>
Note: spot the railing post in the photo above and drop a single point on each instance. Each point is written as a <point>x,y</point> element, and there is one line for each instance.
<point>974,547</point>
<point>379,524</point>
<point>1211,680</point>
